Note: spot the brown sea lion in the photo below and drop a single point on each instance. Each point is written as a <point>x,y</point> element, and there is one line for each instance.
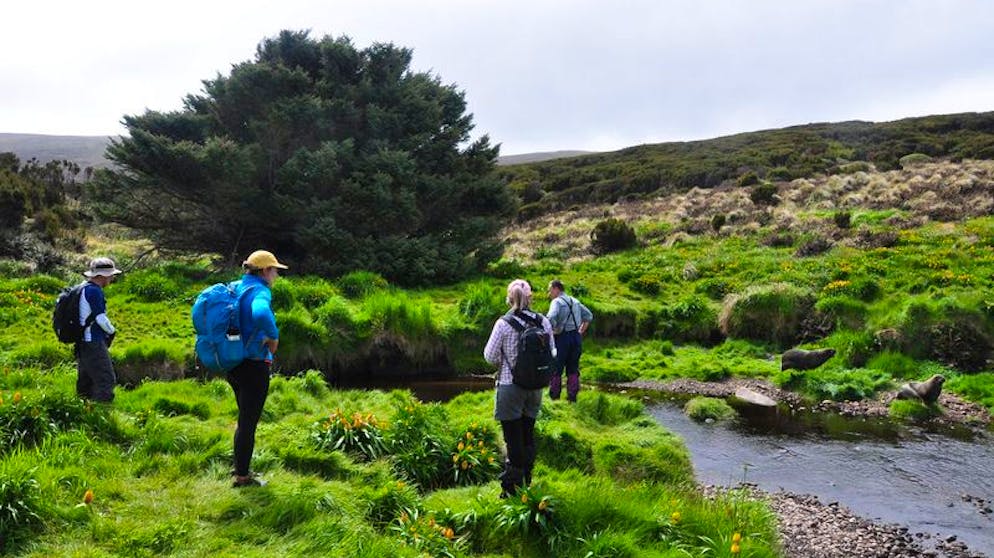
<point>927,392</point>
<point>800,359</point>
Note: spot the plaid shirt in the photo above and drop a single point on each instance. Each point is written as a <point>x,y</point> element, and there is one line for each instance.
<point>502,347</point>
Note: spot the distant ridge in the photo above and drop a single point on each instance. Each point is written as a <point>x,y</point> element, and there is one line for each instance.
<point>85,151</point>
<point>540,156</point>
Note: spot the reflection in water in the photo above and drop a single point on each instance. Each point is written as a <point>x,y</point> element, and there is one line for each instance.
<point>917,480</point>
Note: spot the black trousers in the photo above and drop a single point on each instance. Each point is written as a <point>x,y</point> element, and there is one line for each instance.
<point>95,372</point>
<point>250,382</point>
<point>519,435</point>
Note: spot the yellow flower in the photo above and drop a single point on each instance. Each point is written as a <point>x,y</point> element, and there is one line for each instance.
<point>524,498</point>
<point>448,533</point>
<point>87,496</point>
<point>490,459</point>
<point>735,548</point>
<point>542,505</point>
<point>469,435</point>
<point>463,465</point>
<point>17,397</point>
<point>736,538</point>
<point>675,516</point>
<point>455,457</point>
<point>480,443</point>
<point>461,446</point>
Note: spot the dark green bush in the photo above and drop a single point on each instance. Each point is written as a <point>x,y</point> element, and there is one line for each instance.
<point>842,219</point>
<point>482,303</point>
<point>718,221</point>
<point>779,174</point>
<point>768,313</point>
<point>648,283</point>
<point>764,194</point>
<point>949,331</point>
<point>747,178</point>
<point>612,235</point>
<point>843,311</point>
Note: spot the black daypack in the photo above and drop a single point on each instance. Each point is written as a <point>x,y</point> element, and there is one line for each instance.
<point>533,368</point>
<point>65,318</point>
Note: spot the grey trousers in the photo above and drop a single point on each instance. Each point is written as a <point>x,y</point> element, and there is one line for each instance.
<point>96,376</point>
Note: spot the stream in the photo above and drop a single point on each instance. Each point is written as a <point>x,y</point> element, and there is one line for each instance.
<point>925,481</point>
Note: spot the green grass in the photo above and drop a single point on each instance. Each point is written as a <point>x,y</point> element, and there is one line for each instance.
<point>156,463</point>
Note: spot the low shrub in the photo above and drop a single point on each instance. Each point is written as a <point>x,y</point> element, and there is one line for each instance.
<point>747,178</point>
<point>612,235</point>
<point>948,330</point>
<point>764,194</point>
<point>360,284</point>
<point>648,283</point>
<point>913,160</point>
<point>768,313</point>
<point>151,286</point>
<point>843,311</point>
<point>481,303</point>
<point>845,385</point>
<point>389,501</point>
<point>842,219</point>
<point>703,408</point>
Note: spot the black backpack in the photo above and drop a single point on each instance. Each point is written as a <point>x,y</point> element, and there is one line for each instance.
<point>533,369</point>
<point>65,319</point>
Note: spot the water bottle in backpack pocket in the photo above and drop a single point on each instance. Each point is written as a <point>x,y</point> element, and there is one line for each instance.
<point>220,345</point>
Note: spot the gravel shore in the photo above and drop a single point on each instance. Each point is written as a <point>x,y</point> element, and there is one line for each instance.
<point>810,528</point>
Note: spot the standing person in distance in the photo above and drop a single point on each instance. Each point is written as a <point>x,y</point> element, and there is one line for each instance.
<point>570,320</point>
<point>515,407</point>
<point>250,379</point>
<point>96,378</point>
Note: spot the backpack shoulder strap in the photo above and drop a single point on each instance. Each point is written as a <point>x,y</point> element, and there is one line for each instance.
<point>509,318</point>
<point>80,294</point>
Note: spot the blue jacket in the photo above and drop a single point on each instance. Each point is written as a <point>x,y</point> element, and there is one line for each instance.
<point>255,313</point>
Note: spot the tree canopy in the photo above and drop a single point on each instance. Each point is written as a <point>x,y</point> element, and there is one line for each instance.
<point>335,158</point>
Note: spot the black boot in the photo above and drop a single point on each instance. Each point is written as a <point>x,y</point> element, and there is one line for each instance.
<point>529,464</point>
<point>511,479</point>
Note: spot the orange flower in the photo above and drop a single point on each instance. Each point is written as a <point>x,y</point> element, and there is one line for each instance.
<point>88,496</point>
<point>449,533</point>
<point>542,505</point>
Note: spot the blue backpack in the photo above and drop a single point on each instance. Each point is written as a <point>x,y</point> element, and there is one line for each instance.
<point>220,346</point>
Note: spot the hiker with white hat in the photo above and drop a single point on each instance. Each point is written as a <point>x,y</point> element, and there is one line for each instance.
<point>96,378</point>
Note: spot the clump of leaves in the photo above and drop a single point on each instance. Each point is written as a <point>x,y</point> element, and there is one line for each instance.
<point>358,434</point>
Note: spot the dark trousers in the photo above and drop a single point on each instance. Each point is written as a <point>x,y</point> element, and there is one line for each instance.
<point>250,382</point>
<point>95,377</point>
<point>519,435</point>
<point>569,347</point>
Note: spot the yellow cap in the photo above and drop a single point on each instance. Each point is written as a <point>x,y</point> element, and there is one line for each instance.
<point>261,259</point>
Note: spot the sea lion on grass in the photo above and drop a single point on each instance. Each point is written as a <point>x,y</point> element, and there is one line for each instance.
<point>799,359</point>
<point>927,392</point>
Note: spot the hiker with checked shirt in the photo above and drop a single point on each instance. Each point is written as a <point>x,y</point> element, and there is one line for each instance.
<point>570,320</point>
<point>515,407</point>
<point>96,378</point>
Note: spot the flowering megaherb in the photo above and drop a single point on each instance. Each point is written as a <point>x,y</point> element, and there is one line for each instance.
<point>358,434</point>
<point>425,534</point>
<point>475,458</point>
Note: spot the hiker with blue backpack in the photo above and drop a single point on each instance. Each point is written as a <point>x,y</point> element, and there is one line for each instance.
<point>237,335</point>
<point>522,348</point>
<point>570,320</point>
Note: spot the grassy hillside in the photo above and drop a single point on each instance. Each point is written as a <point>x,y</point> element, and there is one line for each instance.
<point>776,155</point>
<point>85,151</point>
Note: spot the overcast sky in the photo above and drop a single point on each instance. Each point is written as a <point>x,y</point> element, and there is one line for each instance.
<point>538,75</point>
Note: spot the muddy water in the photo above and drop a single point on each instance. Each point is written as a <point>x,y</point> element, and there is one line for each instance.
<point>927,481</point>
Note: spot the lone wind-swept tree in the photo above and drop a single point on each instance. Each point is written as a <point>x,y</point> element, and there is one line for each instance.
<point>334,157</point>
